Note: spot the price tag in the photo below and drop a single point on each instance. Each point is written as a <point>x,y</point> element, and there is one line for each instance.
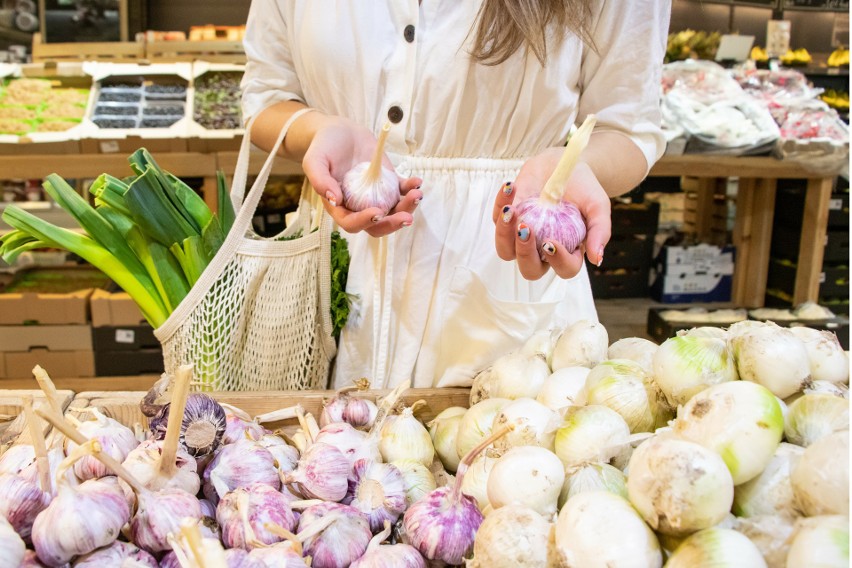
<point>835,205</point>
<point>125,336</point>
<point>109,147</point>
<point>822,277</point>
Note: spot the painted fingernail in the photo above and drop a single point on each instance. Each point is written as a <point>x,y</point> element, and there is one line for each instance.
<point>548,248</point>
<point>418,187</point>
<point>508,188</point>
<point>417,201</point>
<point>376,219</point>
<point>600,256</point>
<point>507,214</point>
<point>523,233</point>
<point>406,223</point>
<point>330,196</point>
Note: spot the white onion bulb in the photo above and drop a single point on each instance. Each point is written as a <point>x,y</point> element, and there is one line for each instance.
<point>686,365</point>
<point>403,437</point>
<point>635,349</point>
<point>821,478</point>
<point>584,343</point>
<point>828,361</point>
<point>771,492</point>
<point>820,542</point>
<point>739,420</point>
<point>475,482</point>
<point>770,534</point>
<point>540,343</point>
<point>444,430</point>
<point>623,386</point>
<point>592,434</point>
<point>564,388</point>
<point>513,536</point>
<point>535,424</point>
<point>476,423</point>
<point>418,480</point>
<point>813,416</point>
<point>593,477</point>
<point>518,376</point>
<point>825,387</point>
<point>716,547</point>
<point>584,520</point>
<point>773,357</point>
<point>527,475</point>
<point>679,487</point>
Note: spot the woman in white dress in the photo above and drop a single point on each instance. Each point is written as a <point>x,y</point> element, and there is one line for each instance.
<point>479,93</point>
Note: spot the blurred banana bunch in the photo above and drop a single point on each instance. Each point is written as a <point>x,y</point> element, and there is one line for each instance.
<point>796,57</point>
<point>690,44</point>
<point>836,99</point>
<point>759,54</point>
<point>839,58</point>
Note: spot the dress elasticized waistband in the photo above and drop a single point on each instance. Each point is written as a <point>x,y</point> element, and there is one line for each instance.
<point>428,163</point>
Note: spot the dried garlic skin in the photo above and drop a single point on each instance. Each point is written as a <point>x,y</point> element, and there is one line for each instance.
<point>258,503</point>
<point>80,520</point>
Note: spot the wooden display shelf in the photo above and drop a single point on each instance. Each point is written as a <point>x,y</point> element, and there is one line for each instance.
<point>111,51</point>
<point>76,384</point>
<point>213,51</point>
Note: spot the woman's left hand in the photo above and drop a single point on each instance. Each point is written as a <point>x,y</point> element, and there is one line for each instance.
<point>515,240</point>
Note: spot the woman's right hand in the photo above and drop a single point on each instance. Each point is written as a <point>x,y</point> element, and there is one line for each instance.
<point>338,145</point>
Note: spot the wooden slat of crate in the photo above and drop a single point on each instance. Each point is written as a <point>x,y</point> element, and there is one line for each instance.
<point>216,51</point>
<point>124,406</point>
<point>12,404</point>
<point>114,51</point>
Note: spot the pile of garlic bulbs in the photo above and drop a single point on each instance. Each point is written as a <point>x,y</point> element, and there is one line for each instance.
<point>573,452</point>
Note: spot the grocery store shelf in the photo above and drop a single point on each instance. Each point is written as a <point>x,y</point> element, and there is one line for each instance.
<point>706,165</point>
<point>129,383</point>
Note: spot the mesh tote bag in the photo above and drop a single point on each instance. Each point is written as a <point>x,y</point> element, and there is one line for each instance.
<point>258,318</point>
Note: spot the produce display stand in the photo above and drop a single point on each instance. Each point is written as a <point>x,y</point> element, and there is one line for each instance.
<point>12,404</point>
<point>112,51</point>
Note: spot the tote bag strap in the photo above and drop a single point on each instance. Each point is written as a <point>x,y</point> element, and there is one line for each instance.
<point>235,236</point>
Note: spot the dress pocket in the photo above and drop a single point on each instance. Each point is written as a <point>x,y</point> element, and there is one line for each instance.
<point>478,327</point>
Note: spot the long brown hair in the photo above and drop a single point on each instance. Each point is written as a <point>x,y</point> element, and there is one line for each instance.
<point>503,26</point>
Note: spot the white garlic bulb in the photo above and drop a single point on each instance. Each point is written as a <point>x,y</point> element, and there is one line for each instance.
<point>281,555</point>
<point>369,184</point>
<point>143,463</point>
<point>403,437</point>
<point>286,456</point>
<point>30,561</point>
<point>11,546</point>
<point>16,458</point>
<point>116,439</point>
<point>244,513</point>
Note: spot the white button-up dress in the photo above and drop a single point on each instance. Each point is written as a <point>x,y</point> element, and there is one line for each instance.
<point>433,302</point>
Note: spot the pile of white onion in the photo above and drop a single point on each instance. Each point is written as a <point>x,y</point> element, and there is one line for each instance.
<point>572,452</point>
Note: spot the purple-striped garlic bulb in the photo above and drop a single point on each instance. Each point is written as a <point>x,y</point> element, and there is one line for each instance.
<point>333,535</point>
<point>281,555</point>
<point>143,463</point>
<point>244,513</point>
<point>550,218</point>
<point>12,546</point>
<point>239,465</point>
<point>239,426</point>
<point>21,501</point>
<point>30,561</point>
<point>203,426</point>
<point>380,555</point>
<point>369,184</point>
<point>159,515</point>
<point>377,490</point>
<point>354,444</point>
<point>321,474</point>
<point>54,458</point>
<point>115,438</point>
<point>239,558</point>
<point>91,514</point>
<point>17,458</point>
<point>208,509</point>
<point>286,456</point>
<point>442,525</point>
<point>117,554</point>
<point>343,407</point>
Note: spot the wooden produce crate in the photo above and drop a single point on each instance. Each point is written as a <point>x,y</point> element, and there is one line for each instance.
<point>215,51</point>
<point>124,406</point>
<point>12,404</point>
<point>113,51</point>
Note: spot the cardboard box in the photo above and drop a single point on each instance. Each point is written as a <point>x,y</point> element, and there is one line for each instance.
<point>122,363</point>
<point>114,309</point>
<point>16,338</point>
<point>124,338</point>
<point>697,259</point>
<point>45,309</point>
<point>681,288</point>
<point>72,364</point>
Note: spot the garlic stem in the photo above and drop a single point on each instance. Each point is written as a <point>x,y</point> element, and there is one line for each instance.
<point>313,427</point>
<point>192,535</point>
<point>168,457</point>
<point>282,414</point>
<point>555,185</point>
<point>305,503</point>
<point>377,540</point>
<point>306,431</point>
<point>73,420</point>
<point>49,389</point>
<point>387,405</point>
<point>465,462</point>
<point>311,530</point>
<point>37,435</point>
<point>72,434</point>
<point>293,539</point>
<point>243,510</point>
<point>374,172</point>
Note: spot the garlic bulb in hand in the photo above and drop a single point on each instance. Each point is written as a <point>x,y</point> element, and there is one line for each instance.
<point>339,539</point>
<point>244,512</point>
<point>321,474</point>
<point>377,490</point>
<point>115,438</point>
<point>117,554</point>
<point>403,437</point>
<point>442,526</point>
<point>203,425</point>
<point>239,465</point>
<point>389,555</point>
<point>11,546</point>
<point>513,536</point>
<point>369,184</point>
<point>551,218</point>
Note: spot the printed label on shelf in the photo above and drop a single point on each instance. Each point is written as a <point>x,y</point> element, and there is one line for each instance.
<point>110,147</point>
<point>125,336</point>
<point>835,205</point>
